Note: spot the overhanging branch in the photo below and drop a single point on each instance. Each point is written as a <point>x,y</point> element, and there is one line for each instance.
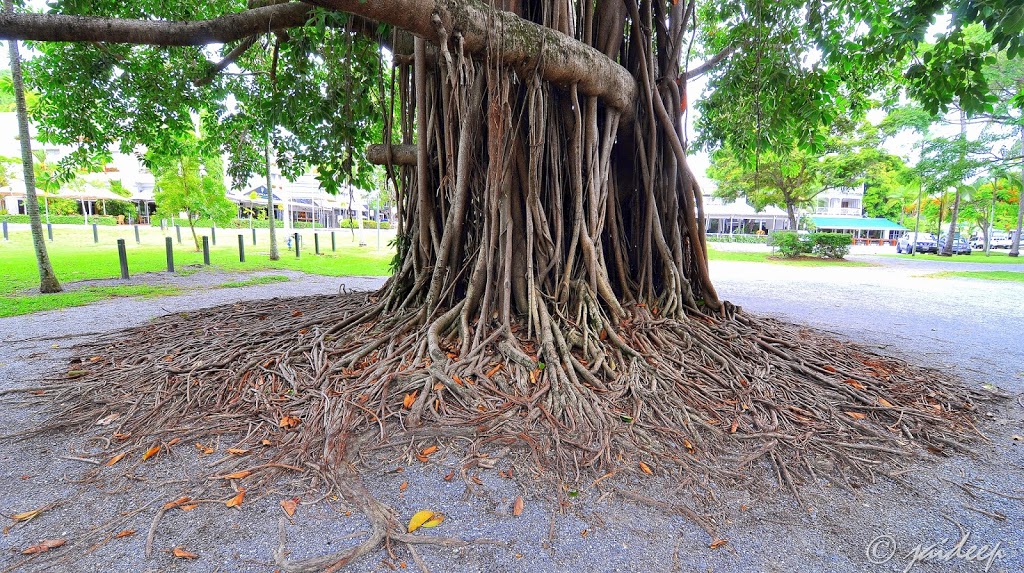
<point>711,63</point>
<point>227,28</point>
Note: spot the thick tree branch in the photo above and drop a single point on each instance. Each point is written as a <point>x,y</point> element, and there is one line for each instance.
<point>227,28</point>
<point>521,44</point>
<point>400,154</point>
<point>227,61</point>
<point>711,63</point>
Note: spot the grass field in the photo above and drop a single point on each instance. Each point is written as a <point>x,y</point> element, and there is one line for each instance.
<point>764,257</point>
<point>1013,276</point>
<point>76,257</point>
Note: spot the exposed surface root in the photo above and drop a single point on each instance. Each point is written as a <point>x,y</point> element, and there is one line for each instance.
<point>312,384</point>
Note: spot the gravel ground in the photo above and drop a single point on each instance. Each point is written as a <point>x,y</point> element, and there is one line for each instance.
<point>968,326</point>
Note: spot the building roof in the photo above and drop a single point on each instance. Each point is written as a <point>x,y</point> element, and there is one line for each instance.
<point>867,223</point>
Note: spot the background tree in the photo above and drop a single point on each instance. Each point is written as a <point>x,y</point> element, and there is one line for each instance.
<point>190,180</point>
<point>48,282</point>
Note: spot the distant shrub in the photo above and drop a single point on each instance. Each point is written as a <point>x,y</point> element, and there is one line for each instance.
<point>830,245</point>
<point>367,224</point>
<point>732,238</point>
<point>789,243</point>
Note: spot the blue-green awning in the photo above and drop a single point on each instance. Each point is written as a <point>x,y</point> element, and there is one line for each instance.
<point>865,223</point>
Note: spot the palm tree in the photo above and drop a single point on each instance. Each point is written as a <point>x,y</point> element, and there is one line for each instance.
<point>48,282</point>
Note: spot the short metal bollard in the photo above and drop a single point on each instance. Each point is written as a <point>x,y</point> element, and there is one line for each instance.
<point>137,240</point>
<point>334,245</point>
<point>169,245</point>
<point>206,250</point>
<point>5,230</point>
<point>213,235</point>
<point>95,233</point>
<point>316,243</point>
<point>254,237</point>
<point>241,248</point>
<point>122,256</point>
<point>296,245</point>
<point>49,231</point>
<point>177,230</point>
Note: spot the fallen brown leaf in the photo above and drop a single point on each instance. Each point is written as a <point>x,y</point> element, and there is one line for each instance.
<point>517,506</point>
<point>182,554</point>
<point>236,475</point>
<point>646,469</point>
<point>404,486</point>
<point>177,502</point>
<point>856,415</point>
<point>717,543</point>
<point>29,515</point>
<point>289,422</point>
<point>125,533</point>
<point>429,450</point>
<point>410,399</point>
<point>289,506</point>
<point>237,451</point>
<point>237,500</point>
<point>150,453</point>
<point>43,546</point>
<point>116,458</point>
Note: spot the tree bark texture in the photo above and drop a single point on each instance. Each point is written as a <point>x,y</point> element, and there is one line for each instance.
<point>48,282</point>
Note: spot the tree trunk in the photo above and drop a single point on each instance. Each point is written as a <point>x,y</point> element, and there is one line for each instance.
<point>48,282</point>
<point>271,218</point>
<point>1015,247</point>
<point>192,227</point>
<point>947,248</point>
<point>791,213</point>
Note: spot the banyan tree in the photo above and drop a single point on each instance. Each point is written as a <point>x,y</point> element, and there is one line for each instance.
<point>551,288</point>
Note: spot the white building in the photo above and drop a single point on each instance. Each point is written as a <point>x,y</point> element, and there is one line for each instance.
<point>842,211</point>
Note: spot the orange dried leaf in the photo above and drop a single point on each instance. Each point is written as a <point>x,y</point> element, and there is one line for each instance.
<point>206,450</point>
<point>173,442</point>
<point>150,453</point>
<point>438,387</point>
<point>125,533</point>
<point>717,543</point>
<point>404,486</point>
<point>177,502</point>
<point>493,371</point>
<point>189,507</point>
<point>289,422</point>
<point>856,415</point>
<point>410,399</point>
<point>422,458</point>
<point>457,380</point>
<point>237,451</point>
<point>646,468</point>
<point>449,475</point>
<point>116,458</point>
<point>237,475</point>
<point>44,546</point>
<point>289,506</point>
<point>735,424</point>
<point>122,437</point>
<point>885,403</point>
<point>429,450</point>
<point>517,506</point>
<point>182,554</point>
<point>855,384</point>
<point>296,313</point>
<point>237,500</point>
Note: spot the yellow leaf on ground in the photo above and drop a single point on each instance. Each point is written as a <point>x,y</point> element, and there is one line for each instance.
<point>646,469</point>
<point>28,515</point>
<point>237,500</point>
<point>517,506</point>
<point>182,554</point>
<point>419,518</point>
<point>150,453</point>
<point>289,506</point>
<point>117,458</point>
<point>434,521</point>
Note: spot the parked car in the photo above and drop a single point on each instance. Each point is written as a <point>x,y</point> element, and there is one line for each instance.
<point>999,240</point>
<point>923,243</point>
<point>960,245</point>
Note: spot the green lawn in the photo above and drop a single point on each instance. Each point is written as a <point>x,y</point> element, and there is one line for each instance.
<point>1013,276</point>
<point>13,305</point>
<point>762,257</point>
<point>263,280</point>
<point>996,257</point>
<point>76,257</point>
